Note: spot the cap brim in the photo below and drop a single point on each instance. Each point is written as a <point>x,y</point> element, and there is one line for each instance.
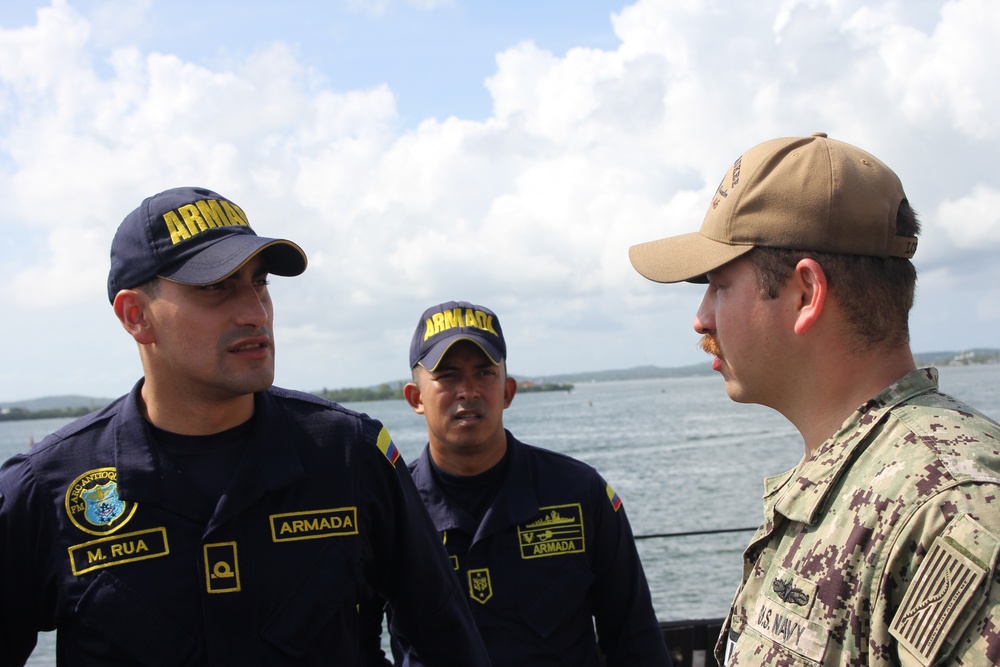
<point>687,257</point>
<point>227,255</point>
<point>437,351</point>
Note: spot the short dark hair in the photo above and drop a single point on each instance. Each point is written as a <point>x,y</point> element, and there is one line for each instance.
<point>150,288</point>
<point>876,293</point>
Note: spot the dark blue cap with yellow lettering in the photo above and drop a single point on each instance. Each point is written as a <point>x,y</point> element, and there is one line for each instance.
<point>192,236</point>
<point>445,324</point>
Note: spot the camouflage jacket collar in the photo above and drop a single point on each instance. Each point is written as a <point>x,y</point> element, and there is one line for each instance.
<point>800,495</point>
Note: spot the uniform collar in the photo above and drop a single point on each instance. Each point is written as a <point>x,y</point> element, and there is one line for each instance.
<point>804,490</point>
<point>270,460</point>
<point>516,501</point>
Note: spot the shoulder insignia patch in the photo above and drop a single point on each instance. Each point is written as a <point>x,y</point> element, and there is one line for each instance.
<point>387,446</point>
<point>947,581</point>
<point>616,502</point>
<point>93,505</point>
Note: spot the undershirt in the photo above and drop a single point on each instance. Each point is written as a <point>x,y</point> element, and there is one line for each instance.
<point>474,493</point>
<point>206,462</point>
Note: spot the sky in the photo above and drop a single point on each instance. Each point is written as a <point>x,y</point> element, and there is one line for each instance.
<point>504,153</point>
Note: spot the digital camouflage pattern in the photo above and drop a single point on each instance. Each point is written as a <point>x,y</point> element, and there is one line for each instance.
<point>881,548</point>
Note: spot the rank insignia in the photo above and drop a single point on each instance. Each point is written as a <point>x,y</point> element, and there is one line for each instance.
<point>480,587</point>
<point>222,568</point>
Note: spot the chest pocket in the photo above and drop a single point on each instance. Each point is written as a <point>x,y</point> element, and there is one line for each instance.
<point>325,587</point>
<point>113,613</point>
<point>558,589</point>
<point>781,618</point>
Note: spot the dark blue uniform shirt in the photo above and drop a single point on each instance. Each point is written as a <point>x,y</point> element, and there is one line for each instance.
<point>553,554</point>
<point>104,543</point>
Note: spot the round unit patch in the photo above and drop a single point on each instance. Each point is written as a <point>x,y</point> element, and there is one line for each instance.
<point>93,505</point>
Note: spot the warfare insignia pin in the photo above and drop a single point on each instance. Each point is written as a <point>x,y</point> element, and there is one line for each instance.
<point>789,593</point>
<point>93,505</point>
<point>480,587</point>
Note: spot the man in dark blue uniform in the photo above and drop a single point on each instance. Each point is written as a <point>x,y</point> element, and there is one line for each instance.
<point>539,541</point>
<point>208,518</point>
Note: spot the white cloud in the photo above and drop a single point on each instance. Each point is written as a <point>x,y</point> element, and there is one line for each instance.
<point>972,222</point>
<point>529,211</point>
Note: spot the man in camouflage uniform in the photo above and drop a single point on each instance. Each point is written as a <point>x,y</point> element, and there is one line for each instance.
<point>881,547</point>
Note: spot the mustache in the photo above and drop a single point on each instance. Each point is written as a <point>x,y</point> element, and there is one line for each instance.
<point>710,345</point>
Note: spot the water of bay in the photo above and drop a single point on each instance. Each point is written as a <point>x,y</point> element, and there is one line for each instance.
<point>682,456</point>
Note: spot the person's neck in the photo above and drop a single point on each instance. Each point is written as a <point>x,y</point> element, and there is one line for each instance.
<point>838,385</point>
<point>188,415</point>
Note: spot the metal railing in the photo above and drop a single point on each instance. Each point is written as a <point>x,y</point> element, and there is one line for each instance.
<point>686,533</point>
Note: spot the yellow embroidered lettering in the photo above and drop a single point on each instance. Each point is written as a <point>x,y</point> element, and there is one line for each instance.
<point>438,322</point>
<point>470,317</point>
<point>428,328</point>
<point>554,547</point>
<point>314,524</point>
<point>121,549</point>
<point>178,232</point>
<point>211,212</point>
<point>192,219</point>
<point>235,214</point>
<point>452,318</point>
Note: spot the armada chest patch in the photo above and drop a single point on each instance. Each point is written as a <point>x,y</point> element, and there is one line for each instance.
<point>557,532</point>
<point>314,524</point>
<point>92,502</point>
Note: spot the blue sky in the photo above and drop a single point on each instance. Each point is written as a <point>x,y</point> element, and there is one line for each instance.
<point>434,55</point>
<point>506,153</point>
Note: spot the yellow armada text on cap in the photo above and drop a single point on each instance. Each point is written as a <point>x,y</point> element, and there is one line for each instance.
<point>192,219</point>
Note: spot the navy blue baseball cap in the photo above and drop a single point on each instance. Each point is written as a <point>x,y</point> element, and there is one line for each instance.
<point>445,324</point>
<point>192,236</point>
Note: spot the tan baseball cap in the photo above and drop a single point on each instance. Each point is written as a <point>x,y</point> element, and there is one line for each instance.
<point>801,193</point>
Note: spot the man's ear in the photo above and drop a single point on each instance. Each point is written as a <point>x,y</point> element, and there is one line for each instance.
<point>130,307</point>
<point>509,389</point>
<point>811,289</point>
<point>411,392</point>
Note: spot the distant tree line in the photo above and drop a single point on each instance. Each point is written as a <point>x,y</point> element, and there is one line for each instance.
<point>530,387</point>
<point>17,414</point>
<point>383,392</point>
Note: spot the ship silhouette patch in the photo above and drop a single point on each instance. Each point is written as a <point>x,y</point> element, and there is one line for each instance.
<point>558,531</point>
